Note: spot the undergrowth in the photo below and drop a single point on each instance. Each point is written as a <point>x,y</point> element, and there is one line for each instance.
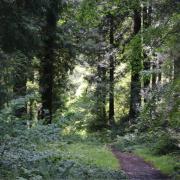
<point>42,152</point>
<point>94,154</point>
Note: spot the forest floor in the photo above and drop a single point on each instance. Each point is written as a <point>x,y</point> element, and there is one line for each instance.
<point>136,168</point>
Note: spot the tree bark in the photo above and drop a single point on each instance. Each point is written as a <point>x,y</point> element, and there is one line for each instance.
<point>47,62</point>
<point>146,61</point>
<point>19,90</point>
<point>177,67</point>
<point>135,97</point>
<point>100,94</point>
<point>111,75</point>
<point>104,94</point>
<point>159,76</point>
<point>154,75</point>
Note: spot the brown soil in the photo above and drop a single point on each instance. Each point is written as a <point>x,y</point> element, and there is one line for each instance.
<point>136,168</point>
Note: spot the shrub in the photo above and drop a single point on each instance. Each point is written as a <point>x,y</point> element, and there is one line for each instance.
<point>165,144</point>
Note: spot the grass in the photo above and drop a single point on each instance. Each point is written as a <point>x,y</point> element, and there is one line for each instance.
<point>84,151</point>
<point>94,154</point>
<point>165,163</point>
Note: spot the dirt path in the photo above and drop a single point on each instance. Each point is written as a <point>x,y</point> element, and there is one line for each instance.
<point>136,168</point>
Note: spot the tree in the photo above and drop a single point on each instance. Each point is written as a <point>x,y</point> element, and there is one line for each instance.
<point>147,13</point>
<point>111,71</point>
<point>48,58</point>
<point>136,67</point>
<point>19,39</point>
<point>100,96</point>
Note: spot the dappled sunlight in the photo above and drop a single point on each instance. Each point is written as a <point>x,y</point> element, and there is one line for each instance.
<point>96,154</point>
<point>89,89</point>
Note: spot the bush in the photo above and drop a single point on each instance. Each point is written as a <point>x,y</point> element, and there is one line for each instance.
<point>41,152</point>
<point>125,143</point>
<point>165,144</point>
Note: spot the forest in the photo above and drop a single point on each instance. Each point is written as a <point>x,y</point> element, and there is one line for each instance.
<point>89,89</point>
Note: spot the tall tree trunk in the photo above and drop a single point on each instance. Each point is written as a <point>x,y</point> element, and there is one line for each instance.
<point>111,74</point>
<point>104,93</point>
<point>100,94</point>
<point>159,76</point>
<point>19,81</point>
<point>177,66</point>
<point>19,90</point>
<point>135,97</point>
<point>154,75</point>
<point>47,62</point>
<point>146,61</point>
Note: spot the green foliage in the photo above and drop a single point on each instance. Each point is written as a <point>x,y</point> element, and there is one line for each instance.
<point>64,35</point>
<point>168,164</point>
<point>174,112</point>
<point>165,144</point>
<point>88,14</point>
<point>158,148</point>
<point>136,54</point>
<point>125,143</point>
<point>102,157</point>
<point>42,152</point>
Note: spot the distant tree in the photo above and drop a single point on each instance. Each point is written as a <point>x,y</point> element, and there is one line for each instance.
<point>111,71</point>
<point>19,40</point>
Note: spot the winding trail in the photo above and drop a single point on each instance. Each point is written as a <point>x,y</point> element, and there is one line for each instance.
<point>136,168</point>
